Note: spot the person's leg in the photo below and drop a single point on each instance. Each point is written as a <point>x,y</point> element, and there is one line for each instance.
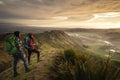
<point>29,55</point>
<point>16,59</point>
<point>38,54</point>
<point>24,61</point>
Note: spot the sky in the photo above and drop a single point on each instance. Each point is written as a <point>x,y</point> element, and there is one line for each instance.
<point>61,13</point>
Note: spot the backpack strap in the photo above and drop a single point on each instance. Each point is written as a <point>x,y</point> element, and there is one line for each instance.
<point>26,42</point>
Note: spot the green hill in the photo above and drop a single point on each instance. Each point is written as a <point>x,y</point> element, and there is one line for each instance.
<point>48,43</point>
<point>56,59</point>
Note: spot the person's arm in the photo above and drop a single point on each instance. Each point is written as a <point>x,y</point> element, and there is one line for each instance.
<point>17,43</point>
<point>32,42</point>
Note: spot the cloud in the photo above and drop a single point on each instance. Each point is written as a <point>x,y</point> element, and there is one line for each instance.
<point>105,16</point>
<point>40,9</point>
<point>57,12</point>
<point>33,3</point>
<point>7,15</point>
<point>59,18</point>
<point>2,3</point>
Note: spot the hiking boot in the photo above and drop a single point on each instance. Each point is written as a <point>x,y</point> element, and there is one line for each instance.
<point>38,60</point>
<point>16,74</point>
<point>29,63</point>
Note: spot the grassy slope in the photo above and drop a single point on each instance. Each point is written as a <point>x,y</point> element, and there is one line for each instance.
<point>5,59</point>
<point>52,43</point>
<point>38,70</point>
<point>76,65</point>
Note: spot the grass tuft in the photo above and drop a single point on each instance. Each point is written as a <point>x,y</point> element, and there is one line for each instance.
<point>72,65</point>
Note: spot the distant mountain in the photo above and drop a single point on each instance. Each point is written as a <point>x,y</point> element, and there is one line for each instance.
<point>92,30</point>
<point>109,34</point>
<point>58,39</point>
<point>11,27</point>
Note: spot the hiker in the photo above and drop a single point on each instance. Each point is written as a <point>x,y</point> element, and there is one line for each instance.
<point>18,52</point>
<point>30,46</point>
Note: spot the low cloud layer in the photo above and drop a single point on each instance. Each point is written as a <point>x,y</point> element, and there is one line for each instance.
<point>57,12</point>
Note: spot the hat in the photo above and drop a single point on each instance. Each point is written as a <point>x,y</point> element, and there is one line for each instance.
<point>16,33</point>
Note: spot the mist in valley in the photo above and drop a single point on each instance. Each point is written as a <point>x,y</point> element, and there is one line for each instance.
<point>102,42</point>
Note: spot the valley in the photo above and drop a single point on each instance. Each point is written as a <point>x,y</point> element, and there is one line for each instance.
<point>103,43</point>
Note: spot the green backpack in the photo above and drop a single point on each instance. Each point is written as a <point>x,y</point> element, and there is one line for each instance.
<point>10,44</point>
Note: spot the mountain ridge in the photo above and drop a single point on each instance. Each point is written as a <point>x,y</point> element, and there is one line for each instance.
<point>48,39</point>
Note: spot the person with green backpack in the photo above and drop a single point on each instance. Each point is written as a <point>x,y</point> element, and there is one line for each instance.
<point>14,46</point>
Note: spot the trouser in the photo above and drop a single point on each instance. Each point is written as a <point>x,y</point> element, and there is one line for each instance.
<point>16,59</point>
<point>30,52</point>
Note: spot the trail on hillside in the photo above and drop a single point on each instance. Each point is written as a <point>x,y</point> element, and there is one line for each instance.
<point>49,43</point>
<point>39,71</point>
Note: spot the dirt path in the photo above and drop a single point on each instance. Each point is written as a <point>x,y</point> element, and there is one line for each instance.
<point>39,71</point>
<point>42,70</point>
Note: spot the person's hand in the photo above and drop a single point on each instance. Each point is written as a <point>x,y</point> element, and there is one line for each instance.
<point>24,55</point>
<point>34,44</point>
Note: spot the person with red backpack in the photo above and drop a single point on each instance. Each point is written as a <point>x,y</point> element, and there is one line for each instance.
<point>30,46</point>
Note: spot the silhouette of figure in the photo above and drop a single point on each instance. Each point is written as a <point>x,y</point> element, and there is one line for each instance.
<point>19,54</point>
<point>30,46</point>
